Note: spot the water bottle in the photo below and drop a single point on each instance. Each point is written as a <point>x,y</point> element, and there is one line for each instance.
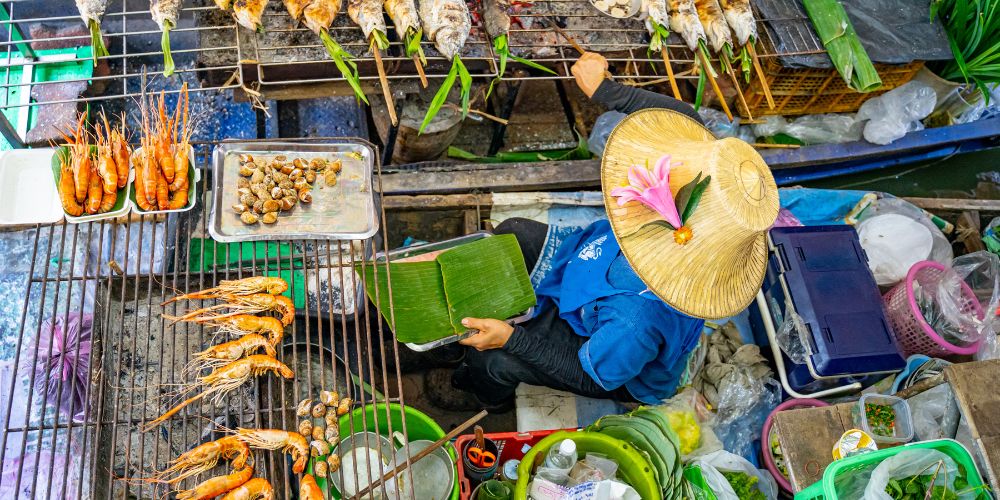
<point>561,457</point>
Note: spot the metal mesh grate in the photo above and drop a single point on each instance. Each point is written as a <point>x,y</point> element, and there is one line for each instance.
<point>123,271</point>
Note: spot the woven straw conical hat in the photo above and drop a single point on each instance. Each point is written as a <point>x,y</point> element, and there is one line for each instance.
<point>718,272</point>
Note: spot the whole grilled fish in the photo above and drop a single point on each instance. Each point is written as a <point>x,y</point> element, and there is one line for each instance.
<point>404,15</point>
<point>368,15</point>
<point>447,23</point>
<point>656,12</point>
<point>91,11</point>
<point>165,13</point>
<point>319,14</point>
<point>684,20</point>
<point>496,17</point>
<point>714,23</point>
<point>249,13</point>
<point>295,8</point>
<point>740,18</point>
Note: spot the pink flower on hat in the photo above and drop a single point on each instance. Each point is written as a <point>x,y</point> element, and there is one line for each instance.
<point>652,189</point>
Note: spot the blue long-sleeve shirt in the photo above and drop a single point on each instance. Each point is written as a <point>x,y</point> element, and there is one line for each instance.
<point>633,339</point>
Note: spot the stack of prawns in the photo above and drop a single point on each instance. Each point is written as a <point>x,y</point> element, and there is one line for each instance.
<point>90,177</point>
<point>161,180</point>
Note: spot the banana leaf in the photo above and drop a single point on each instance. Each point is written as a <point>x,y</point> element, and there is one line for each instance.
<point>486,278</point>
<point>842,44</point>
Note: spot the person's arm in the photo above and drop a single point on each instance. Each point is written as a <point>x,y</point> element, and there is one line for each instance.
<point>622,345</point>
<point>556,355</point>
<point>590,72</point>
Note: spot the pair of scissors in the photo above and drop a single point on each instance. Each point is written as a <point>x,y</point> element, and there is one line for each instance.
<point>478,455</point>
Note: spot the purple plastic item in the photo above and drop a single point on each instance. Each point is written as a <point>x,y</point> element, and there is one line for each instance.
<point>64,353</point>
<point>765,435</point>
<point>914,334</point>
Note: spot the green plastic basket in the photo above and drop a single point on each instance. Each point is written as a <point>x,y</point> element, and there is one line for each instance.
<point>633,468</point>
<point>825,489</point>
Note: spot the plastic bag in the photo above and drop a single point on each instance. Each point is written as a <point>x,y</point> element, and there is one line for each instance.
<point>714,464</point>
<point>991,235</point>
<point>894,245</point>
<point>954,318</point>
<point>63,348</point>
<point>827,128</point>
<point>691,420</point>
<point>721,127</point>
<point>791,337</point>
<point>898,111</point>
<point>602,129</point>
<point>909,463</point>
<point>934,413</point>
<point>743,407</point>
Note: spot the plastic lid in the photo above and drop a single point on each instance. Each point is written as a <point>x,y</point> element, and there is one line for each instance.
<point>567,447</point>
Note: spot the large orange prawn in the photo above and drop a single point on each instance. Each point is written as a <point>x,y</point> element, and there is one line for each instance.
<point>121,152</point>
<point>226,352</point>
<point>242,324</point>
<point>106,167</point>
<point>213,487</point>
<point>226,378</point>
<point>255,489</point>
<point>289,442</point>
<point>243,304</point>
<point>202,458</point>
<point>179,185</point>
<point>67,188</point>
<point>229,288</point>
<point>308,489</point>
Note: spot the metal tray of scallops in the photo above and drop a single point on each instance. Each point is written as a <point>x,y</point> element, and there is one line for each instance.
<point>345,211</point>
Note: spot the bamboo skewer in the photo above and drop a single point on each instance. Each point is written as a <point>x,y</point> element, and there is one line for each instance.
<point>736,83</point>
<point>715,85</point>
<point>420,71</point>
<point>670,73</point>
<point>384,81</point>
<point>760,74</point>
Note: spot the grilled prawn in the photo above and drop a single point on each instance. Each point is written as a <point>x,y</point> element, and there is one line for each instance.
<point>243,304</point>
<point>242,324</point>
<point>308,489</point>
<point>226,378</point>
<point>213,487</point>
<point>226,352</point>
<point>289,442</point>
<point>202,458</point>
<point>165,13</point>
<point>229,288</point>
<point>91,11</point>
<point>255,489</point>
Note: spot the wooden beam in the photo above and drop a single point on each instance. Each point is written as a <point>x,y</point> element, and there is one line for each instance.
<point>955,204</point>
<point>506,177</point>
<point>437,201</point>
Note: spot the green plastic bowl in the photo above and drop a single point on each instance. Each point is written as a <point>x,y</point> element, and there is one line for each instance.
<point>633,468</point>
<point>418,426</point>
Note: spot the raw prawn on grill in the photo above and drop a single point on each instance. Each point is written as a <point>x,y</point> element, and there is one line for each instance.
<point>496,20</point>
<point>91,11</point>
<point>165,13</point>
<point>368,15</point>
<point>242,304</point>
<point>447,24</point>
<point>202,458</point>
<point>230,288</point>
<point>318,16</point>
<point>714,22</point>
<point>225,379</point>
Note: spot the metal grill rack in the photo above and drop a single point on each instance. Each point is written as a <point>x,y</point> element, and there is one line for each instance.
<point>124,271</point>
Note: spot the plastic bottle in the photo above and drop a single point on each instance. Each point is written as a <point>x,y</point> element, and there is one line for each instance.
<point>562,457</point>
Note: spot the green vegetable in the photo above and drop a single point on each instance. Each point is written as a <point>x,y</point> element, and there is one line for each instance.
<point>841,41</point>
<point>744,485</point>
<point>457,71</point>
<point>348,69</point>
<point>97,40</point>
<point>500,45</point>
<point>168,59</point>
<point>881,419</point>
<point>973,28</point>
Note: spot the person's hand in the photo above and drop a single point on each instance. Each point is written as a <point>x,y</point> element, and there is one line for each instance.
<point>589,71</point>
<point>493,333</point>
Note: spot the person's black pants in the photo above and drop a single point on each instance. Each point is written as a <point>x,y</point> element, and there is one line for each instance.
<point>493,375</point>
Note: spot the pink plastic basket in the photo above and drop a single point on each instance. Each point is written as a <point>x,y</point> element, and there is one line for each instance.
<point>915,336</point>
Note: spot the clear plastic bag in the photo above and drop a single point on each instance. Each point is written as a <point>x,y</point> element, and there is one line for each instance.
<point>827,128</point>
<point>909,463</point>
<point>602,129</point>
<point>691,420</point>
<point>791,337</point>
<point>898,111</point>
<point>714,464</point>
<point>721,127</point>
<point>744,404</point>
<point>894,244</point>
<point>953,317</point>
<point>934,413</point>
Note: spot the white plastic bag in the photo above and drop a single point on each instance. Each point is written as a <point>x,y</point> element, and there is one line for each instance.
<point>812,129</point>
<point>910,463</point>
<point>714,464</point>
<point>898,111</point>
<point>889,255</point>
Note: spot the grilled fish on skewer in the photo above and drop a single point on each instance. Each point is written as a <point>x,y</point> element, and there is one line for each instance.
<point>165,14</point>
<point>368,15</point>
<point>740,18</point>
<point>684,20</point>
<point>318,16</point>
<point>712,19</point>
<point>657,21</point>
<point>496,19</point>
<point>447,23</point>
<point>295,8</point>
<point>91,11</point>
<point>404,17</point>
<point>249,13</point>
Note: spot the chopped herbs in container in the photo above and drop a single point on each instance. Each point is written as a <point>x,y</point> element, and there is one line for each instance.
<point>881,419</point>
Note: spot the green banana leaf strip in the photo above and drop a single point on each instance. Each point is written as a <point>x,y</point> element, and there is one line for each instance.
<point>692,203</point>
<point>413,47</point>
<point>419,309</point>
<point>380,40</point>
<point>746,62</point>
<point>684,195</point>
<point>842,44</point>
<point>343,61</point>
<point>168,59</point>
<point>486,279</point>
<point>580,152</point>
<point>97,40</point>
<point>465,79</point>
<point>442,94</point>
<point>635,438</point>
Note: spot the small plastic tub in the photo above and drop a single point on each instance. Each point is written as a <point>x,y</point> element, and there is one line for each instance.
<point>902,425</point>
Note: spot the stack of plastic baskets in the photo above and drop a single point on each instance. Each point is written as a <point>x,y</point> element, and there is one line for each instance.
<point>826,487</point>
<point>914,334</point>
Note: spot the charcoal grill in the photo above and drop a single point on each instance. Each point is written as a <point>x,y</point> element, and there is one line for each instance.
<point>127,269</point>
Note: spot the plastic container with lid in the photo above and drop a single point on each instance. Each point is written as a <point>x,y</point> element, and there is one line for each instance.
<point>902,424</point>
